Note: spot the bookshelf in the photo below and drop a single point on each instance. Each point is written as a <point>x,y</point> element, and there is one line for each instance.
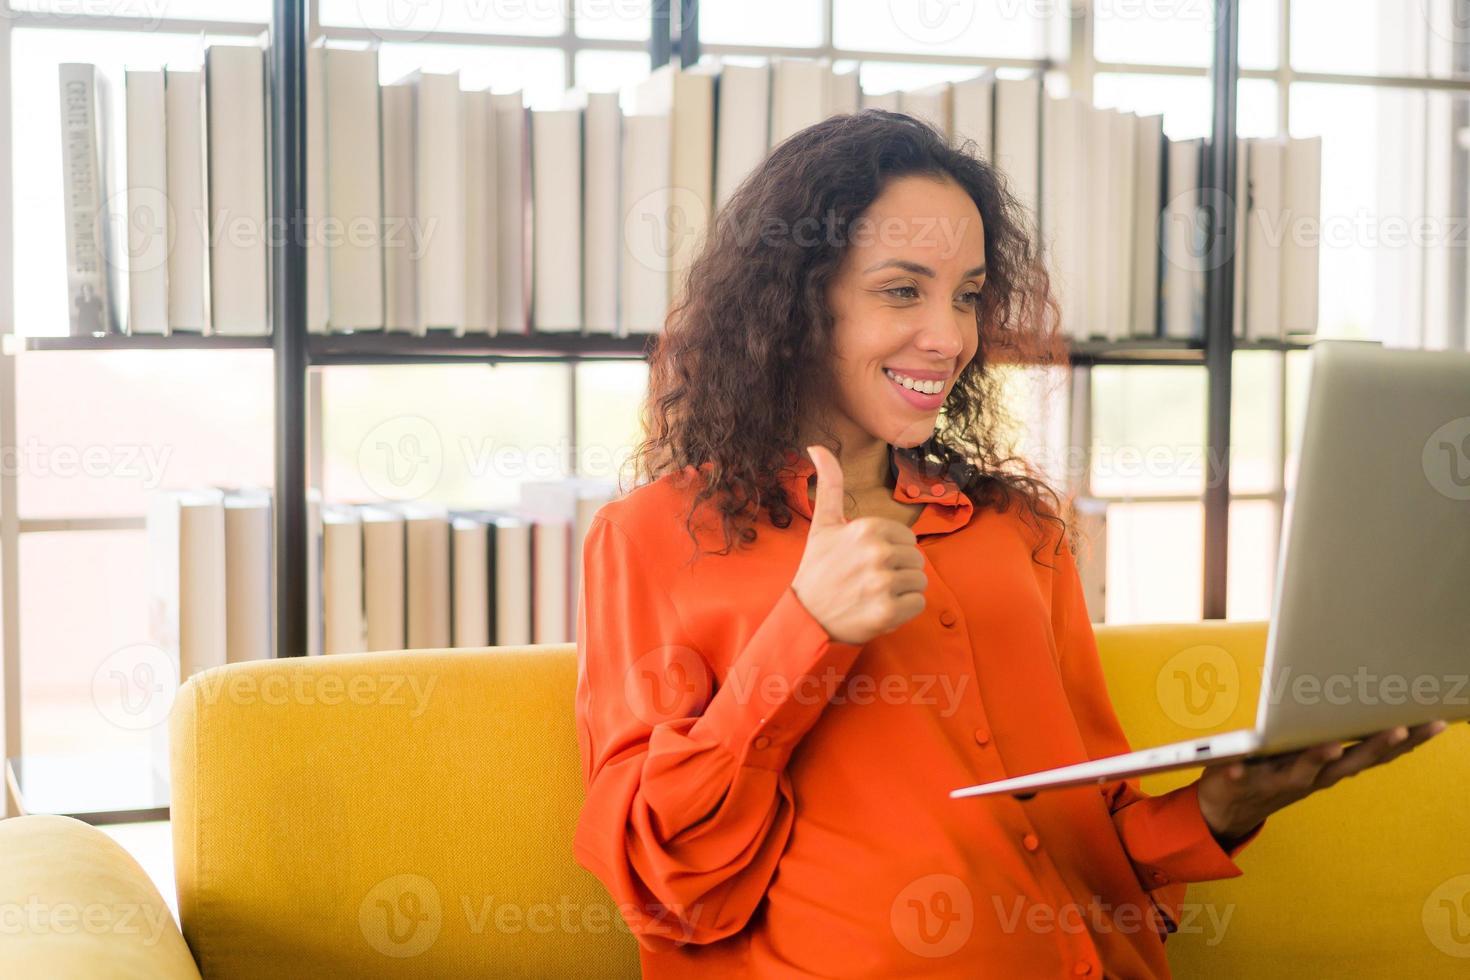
<point>297,356</point>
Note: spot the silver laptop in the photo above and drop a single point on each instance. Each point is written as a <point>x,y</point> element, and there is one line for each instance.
<point>1370,620</point>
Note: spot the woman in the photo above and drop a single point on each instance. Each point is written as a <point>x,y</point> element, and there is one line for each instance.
<point>788,658</point>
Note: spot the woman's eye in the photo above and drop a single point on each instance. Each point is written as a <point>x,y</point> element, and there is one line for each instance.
<point>970,297</point>
<point>903,292</point>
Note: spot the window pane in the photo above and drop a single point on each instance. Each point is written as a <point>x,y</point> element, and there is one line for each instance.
<point>1035,403</point>
<point>1377,37</point>
<point>620,20</point>
<point>1185,102</point>
<point>1252,560</point>
<point>1148,429</point>
<point>98,432</point>
<point>1255,421</point>
<point>753,22</point>
<point>39,231</point>
<point>993,30</point>
<point>1182,32</point>
<point>539,72</point>
<point>538,17</point>
<point>154,10</point>
<point>1391,251</point>
<point>609,397</point>
<point>1155,562</point>
<point>457,435</point>
<point>610,71</point>
<point>889,76</point>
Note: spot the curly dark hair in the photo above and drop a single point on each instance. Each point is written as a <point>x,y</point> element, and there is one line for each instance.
<point>746,352</point>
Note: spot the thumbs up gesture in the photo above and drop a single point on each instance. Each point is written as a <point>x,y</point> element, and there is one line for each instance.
<point>858,578</point>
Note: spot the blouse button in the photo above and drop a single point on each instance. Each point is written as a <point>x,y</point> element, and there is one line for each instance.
<point>762,742</point>
<point>947,619</point>
<point>911,489</point>
<point>1031,842</point>
<point>937,489</point>
<point>982,736</point>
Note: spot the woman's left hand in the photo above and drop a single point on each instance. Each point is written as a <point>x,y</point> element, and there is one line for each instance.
<point>1235,797</point>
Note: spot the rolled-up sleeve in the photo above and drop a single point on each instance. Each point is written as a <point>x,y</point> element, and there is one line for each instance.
<point>688,804</point>
<point>1165,836</point>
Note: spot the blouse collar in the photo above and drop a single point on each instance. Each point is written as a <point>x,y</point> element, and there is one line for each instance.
<point>950,509</point>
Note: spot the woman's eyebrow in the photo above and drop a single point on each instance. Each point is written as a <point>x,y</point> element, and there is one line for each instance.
<point>919,269</point>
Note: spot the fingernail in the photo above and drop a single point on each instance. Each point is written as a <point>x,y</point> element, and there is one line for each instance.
<point>1438,727</point>
<point>1399,734</point>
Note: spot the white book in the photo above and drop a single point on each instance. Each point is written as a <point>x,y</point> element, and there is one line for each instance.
<point>235,83</point>
<point>1264,237</point>
<point>888,101</point>
<point>354,191</point>
<point>511,563</point>
<point>556,205</point>
<point>1018,136</point>
<point>344,629</point>
<point>427,577</point>
<point>1182,287</point>
<point>643,294</point>
<point>92,283</point>
<point>313,572</point>
<point>481,236</point>
<point>1148,207</point>
<point>1064,204</point>
<point>1101,267</point>
<point>551,550</point>
<point>186,581</point>
<point>799,90</point>
<point>470,573</point>
<point>247,575</point>
<point>602,227</point>
<point>316,189</point>
<point>1241,205</point>
<point>844,91</point>
<point>439,199</point>
<point>188,193</point>
<point>1121,213</point>
<point>383,576</point>
<point>745,126</point>
<point>573,501</point>
<point>974,112</point>
<point>514,250</point>
<point>401,230</point>
<point>687,97</point>
<point>147,203</point>
<point>933,103</point>
<point>1302,228</point>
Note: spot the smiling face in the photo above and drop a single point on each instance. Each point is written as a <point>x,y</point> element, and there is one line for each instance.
<point>904,303</point>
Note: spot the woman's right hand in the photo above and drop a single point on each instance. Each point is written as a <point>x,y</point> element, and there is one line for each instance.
<point>859,578</point>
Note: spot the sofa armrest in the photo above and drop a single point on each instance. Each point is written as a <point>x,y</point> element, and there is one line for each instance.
<point>75,906</point>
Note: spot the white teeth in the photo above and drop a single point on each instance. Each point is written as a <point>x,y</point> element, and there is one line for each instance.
<point>923,387</point>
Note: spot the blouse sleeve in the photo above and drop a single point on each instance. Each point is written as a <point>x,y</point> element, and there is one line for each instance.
<point>1165,836</point>
<point>688,803</point>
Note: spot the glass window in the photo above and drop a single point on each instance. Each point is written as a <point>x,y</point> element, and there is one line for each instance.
<point>456,435</point>
<point>891,76</point>
<point>768,23</point>
<point>535,17</point>
<point>1377,37</point>
<point>616,20</point>
<point>1251,575</point>
<point>153,11</point>
<point>1155,562</point>
<point>1185,102</point>
<point>609,399</point>
<point>1182,32</point>
<point>984,30</point>
<point>538,72</point>
<point>1255,421</point>
<point>1148,430</point>
<point>610,71</point>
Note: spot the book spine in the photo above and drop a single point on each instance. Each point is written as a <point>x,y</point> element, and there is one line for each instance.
<point>89,299</point>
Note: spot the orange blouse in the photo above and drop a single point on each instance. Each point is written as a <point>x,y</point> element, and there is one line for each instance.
<point>765,801</point>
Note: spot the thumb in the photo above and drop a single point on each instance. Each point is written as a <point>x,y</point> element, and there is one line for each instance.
<point>827,510</point>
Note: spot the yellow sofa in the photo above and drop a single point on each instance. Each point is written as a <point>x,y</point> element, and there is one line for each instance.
<point>410,815</point>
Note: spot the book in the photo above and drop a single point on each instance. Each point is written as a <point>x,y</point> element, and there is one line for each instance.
<point>1182,289</point>
<point>185,132</point>
<point>481,193</point>
<point>844,91</point>
<point>643,293</point>
<point>438,170</point>
<point>1148,186</point>
<point>91,261</point>
<point>1241,205</point>
<point>344,629</point>
<point>556,205</point>
<point>514,247</point>
<point>354,188</point>
<point>316,189</point>
<point>314,636</point>
<point>1102,282</point>
<point>933,103</point>
<point>1064,206</point>
<point>973,113</point>
<point>1264,240</point>
<point>401,230</point>
<point>383,576</point>
<point>1122,211</point>
<point>744,132</point>
<point>427,576</point>
<point>551,555</point>
<point>247,552</point>
<point>1302,229</point>
<point>235,87</point>
<point>799,91</point>
<point>572,501</point>
<point>147,203</point>
<point>602,227</point>
<point>470,575</point>
<point>510,546</point>
<point>1018,136</point>
<point>185,530</point>
<point>887,101</point>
